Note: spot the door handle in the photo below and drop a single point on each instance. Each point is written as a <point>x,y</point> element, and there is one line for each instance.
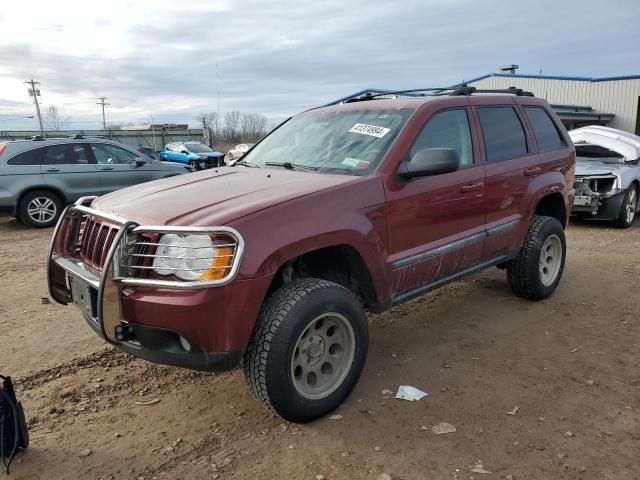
<point>531,171</point>
<point>51,170</point>
<point>106,168</point>
<point>471,187</point>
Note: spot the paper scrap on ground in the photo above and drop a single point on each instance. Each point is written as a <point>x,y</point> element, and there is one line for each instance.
<point>443,428</point>
<point>407,392</point>
<point>513,411</point>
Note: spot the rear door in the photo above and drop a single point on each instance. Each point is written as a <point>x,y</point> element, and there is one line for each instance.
<point>511,163</point>
<point>118,167</point>
<point>69,168</point>
<point>436,224</point>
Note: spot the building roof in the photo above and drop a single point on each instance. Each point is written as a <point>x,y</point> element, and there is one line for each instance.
<point>554,77</point>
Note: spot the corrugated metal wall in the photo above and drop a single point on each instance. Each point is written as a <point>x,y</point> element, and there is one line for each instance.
<point>128,137</point>
<point>616,96</point>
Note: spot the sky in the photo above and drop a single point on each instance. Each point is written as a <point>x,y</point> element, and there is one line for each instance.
<point>161,59</point>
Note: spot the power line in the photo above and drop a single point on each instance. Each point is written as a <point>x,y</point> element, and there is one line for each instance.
<point>103,103</point>
<point>35,92</point>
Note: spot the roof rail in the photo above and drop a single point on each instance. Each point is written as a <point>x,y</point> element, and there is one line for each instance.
<point>462,89</point>
<point>467,90</point>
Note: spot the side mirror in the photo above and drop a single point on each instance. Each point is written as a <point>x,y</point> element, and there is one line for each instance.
<point>140,162</point>
<point>430,161</point>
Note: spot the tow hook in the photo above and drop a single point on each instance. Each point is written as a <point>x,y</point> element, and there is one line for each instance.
<point>124,332</point>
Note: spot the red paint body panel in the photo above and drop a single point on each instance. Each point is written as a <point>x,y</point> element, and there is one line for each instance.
<point>408,233</point>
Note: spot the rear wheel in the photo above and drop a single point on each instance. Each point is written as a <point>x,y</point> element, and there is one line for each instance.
<point>40,208</point>
<point>536,271</point>
<point>629,207</point>
<point>307,350</point>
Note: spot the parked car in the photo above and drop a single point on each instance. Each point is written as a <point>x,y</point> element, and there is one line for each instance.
<point>239,150</point>
<point>196,155</point>
<point>607,174</point>
<point>359,206</point>
<point>147,151</point>
<point>39,177</point>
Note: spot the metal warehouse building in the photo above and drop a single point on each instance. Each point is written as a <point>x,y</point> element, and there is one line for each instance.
<point>578,101</point>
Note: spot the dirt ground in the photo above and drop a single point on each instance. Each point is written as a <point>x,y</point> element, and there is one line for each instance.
<point>570,364</point>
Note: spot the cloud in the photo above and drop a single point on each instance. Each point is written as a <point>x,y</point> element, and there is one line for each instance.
<point>162,59</point>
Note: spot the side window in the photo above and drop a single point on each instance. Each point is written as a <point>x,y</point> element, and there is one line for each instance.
<point>111,155</point>
<point>503,134</point>
<point>448,129</point>
<point>30,157</point>
<point>68,154</point>
<point>544,129</point>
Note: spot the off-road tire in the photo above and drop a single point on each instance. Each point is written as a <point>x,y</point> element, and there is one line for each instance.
<point>283,319</point>
<point>623,220</point>
<point>523,272</point>
<point>23,208</point>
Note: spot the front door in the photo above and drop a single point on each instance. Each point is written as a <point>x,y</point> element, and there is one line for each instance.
<point>118,168</point>
<point>68,168</point>
<point>436,224</point>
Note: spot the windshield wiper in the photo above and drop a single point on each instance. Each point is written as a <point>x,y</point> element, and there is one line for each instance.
<point>292,166</point>
<point>246,164</point>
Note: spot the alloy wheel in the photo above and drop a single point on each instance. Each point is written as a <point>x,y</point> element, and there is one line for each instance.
<point>632,202</point>
<point>42,209</point>
<point>322,356</point>
<point>550,260</point>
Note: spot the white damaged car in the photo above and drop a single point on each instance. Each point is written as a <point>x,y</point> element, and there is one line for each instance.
<point>607,180</point>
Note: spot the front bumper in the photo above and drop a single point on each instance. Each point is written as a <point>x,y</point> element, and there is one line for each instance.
<point>596,201</point>
<point>199,328</point>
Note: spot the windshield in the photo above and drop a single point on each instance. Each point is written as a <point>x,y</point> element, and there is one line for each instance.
<point>349,142</point>
<point>197,147</point>
<point>596,153</point>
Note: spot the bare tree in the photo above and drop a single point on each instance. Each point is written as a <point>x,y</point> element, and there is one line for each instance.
<point>211,127</point>
<point>231,129</point>
<point>53,120</point>
<point>253,126</point>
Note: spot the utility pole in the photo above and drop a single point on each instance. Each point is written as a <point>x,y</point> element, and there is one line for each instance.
<point>103,103</point>
<point>35,92</point>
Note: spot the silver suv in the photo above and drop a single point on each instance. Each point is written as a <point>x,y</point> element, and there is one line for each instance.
<point>39,177</point>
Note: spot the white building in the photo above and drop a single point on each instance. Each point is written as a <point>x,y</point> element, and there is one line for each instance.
<point>578,101</point>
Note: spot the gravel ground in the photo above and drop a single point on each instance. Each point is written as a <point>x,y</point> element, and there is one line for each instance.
<point>569,364</point>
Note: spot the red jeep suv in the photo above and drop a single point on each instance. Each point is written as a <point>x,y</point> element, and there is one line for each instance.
<point>353,207</point>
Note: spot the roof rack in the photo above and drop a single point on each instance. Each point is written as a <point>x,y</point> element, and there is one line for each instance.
<point>462,89</point>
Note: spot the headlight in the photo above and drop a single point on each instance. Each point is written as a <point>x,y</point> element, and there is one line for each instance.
<point>192,257</point>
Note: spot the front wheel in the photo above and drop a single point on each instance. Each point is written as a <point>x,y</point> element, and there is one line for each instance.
<point>536,271</point>
<point>193,165</point>
<point>307,350</point>
<point>629,207</point>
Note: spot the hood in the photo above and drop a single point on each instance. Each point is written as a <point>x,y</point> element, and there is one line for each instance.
<point>588,168</point>
<point>621,142</point>
<point>213,197</point>
<point>213,154</point>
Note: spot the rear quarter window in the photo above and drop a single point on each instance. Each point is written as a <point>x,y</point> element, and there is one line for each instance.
<point>503,134</point>
<point>30,157</point>
<point>544,129</point>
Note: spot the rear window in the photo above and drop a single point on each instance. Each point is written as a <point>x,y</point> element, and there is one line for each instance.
<point>503,134</point>
<point>545,130</point>
<point>30,157</point>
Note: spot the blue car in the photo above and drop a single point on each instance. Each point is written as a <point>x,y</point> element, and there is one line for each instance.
<point>196,155</point>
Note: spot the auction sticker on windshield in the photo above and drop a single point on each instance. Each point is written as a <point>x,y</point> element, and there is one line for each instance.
<point>371,130</point>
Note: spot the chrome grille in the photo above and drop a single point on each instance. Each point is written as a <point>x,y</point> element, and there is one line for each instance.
<point>94,240</point>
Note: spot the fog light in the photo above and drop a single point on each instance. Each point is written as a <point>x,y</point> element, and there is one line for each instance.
<point>184,343</point>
